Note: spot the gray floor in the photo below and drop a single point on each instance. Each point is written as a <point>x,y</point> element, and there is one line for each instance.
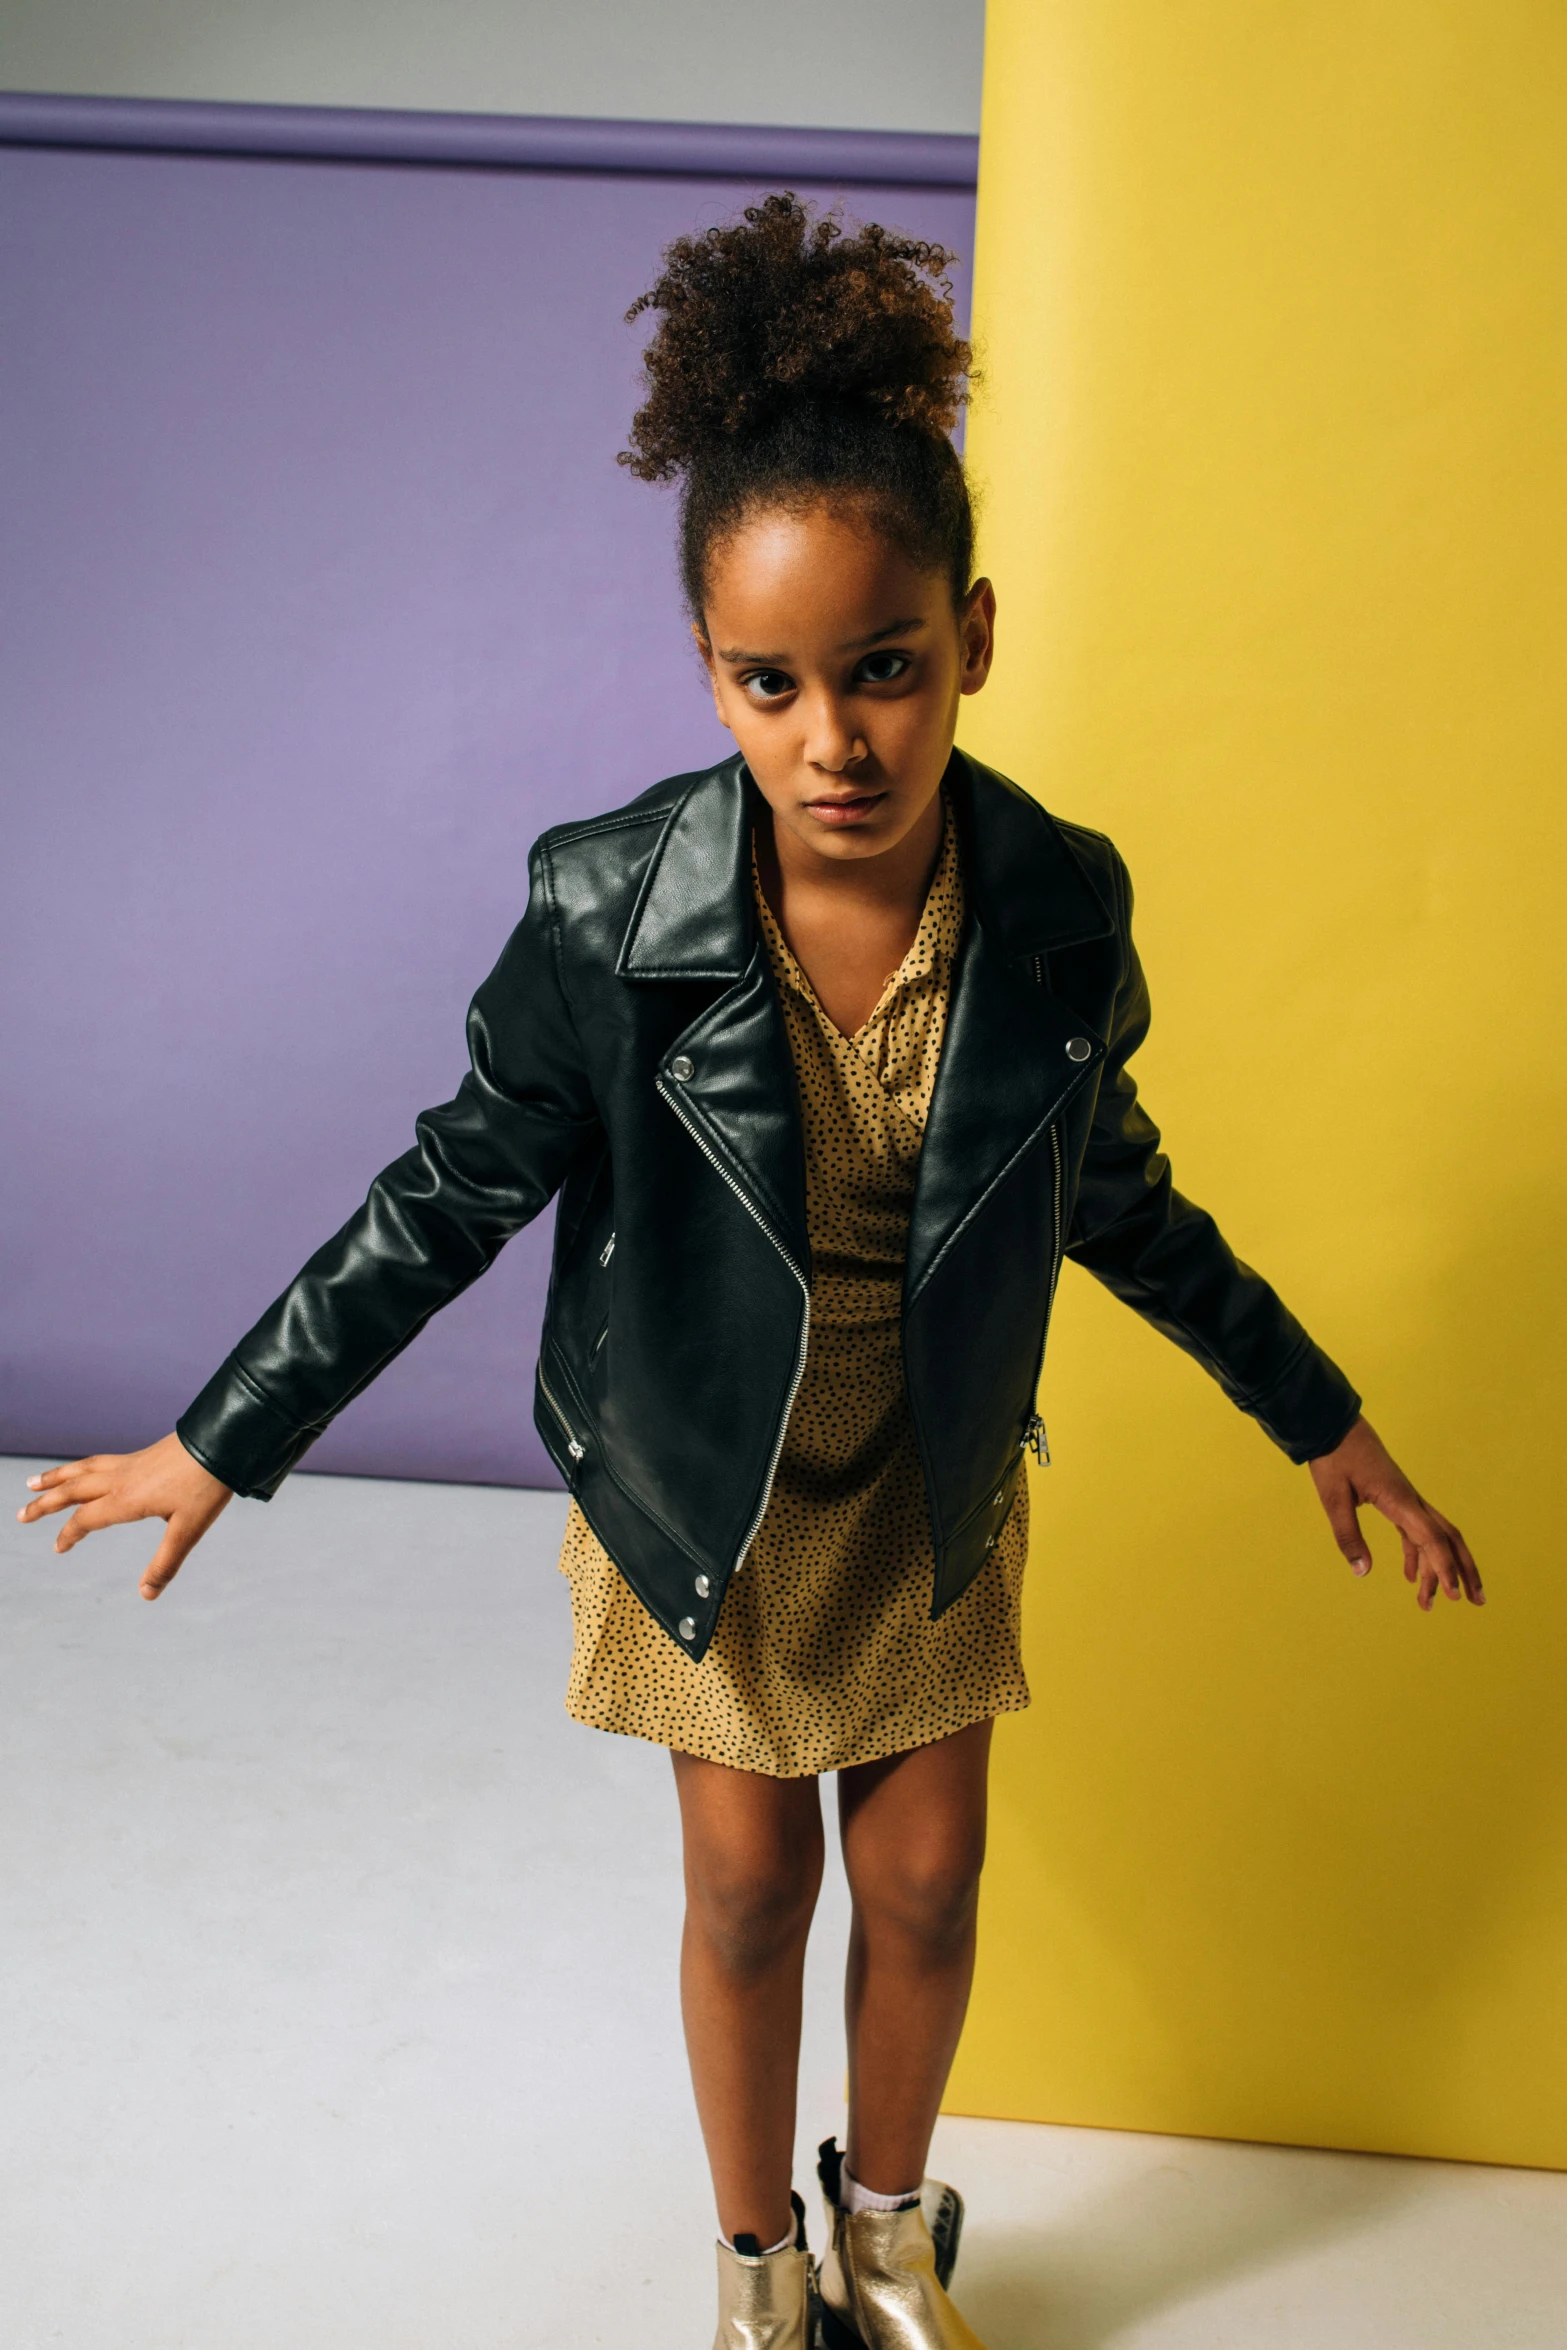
<point>340,1986</point>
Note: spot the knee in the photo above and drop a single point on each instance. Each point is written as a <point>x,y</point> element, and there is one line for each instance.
<point>927,1896</point>
<point>750,1909</point>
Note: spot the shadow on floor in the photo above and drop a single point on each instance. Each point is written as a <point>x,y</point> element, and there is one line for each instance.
<point>1081,2281</point>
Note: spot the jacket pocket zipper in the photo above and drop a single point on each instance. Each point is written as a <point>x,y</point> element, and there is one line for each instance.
<point>577,1450</point>
<point>1035,1438</point>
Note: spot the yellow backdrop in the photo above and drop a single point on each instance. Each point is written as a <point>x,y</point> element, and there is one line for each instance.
<point>1273,443</point>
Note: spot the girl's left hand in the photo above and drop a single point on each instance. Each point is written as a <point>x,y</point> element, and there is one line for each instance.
<point>1362,1470</point>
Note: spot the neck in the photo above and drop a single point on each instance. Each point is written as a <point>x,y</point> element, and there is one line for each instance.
<point>894,884</point>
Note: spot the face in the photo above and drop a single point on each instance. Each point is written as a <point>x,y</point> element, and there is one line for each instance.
<point>839,665</point>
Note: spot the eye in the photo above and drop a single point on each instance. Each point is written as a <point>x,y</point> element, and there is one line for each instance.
<point>768,685</point>
<point>882,668</point>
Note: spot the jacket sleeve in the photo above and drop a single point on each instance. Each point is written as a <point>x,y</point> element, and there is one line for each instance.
<point>1166,1257</point>
<point>482,1166</point>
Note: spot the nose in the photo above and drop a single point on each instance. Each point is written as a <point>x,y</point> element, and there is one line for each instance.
<point>831,743</point>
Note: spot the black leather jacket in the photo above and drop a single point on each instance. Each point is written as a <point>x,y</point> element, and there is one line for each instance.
<point>628,1052</point>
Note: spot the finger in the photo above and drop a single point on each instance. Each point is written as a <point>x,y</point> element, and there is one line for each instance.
<point>1427,1535</point>
<point>1339,1503</point>
<point>66,1469</point>
<point>77,1485</point>
<point>1445,1567</point>
<point>166,1562</point>
<point>1467,1568</point>
<point>1419,1528</point>
<point>1429,1587</point>
<point>1458,1551</point>
<point>1437,1541</point>
<point>89,1519</point>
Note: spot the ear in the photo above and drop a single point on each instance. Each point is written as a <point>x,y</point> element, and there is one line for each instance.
<point>711,666</point>
<point>977,635</point>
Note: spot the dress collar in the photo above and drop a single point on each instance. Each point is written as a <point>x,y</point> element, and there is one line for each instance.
<point>930,952</point>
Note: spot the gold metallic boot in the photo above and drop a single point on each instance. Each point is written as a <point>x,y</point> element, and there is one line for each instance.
<point>879,2284</point>
<point>764,2298</point>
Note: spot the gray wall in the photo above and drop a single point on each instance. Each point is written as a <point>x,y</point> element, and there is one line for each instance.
<point>866,64</point>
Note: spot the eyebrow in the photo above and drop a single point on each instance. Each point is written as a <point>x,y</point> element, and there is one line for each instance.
<point>738,654</point>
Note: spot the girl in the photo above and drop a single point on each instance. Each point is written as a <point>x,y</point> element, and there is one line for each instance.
<point>825,1052</point>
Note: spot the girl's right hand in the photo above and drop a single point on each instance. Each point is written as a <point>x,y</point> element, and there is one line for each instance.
<point>114,1488</point>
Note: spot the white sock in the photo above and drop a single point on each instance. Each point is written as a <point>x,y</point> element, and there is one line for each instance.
<point>784,2244</point>
<point>853,2197</point>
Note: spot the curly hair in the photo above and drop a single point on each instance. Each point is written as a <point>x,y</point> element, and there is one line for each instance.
<point>792,362</point>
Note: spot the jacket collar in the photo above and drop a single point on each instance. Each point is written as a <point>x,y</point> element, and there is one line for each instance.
<point>693,917</point>
<point>1030,889</point>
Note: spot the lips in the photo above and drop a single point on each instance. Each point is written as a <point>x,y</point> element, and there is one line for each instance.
<point>839,813</point>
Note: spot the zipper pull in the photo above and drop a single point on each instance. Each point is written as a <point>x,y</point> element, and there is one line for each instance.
<point>1035,1440</point>
<point>608,1251</point>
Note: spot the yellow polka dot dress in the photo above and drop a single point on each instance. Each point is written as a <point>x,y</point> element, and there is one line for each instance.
<point>825,1654</point>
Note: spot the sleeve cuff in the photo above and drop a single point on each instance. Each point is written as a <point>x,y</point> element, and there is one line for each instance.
<point>241,1438</point>
<point>1311,1409</point>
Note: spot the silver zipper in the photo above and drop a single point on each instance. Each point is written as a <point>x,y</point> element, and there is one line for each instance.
<point>607,1251</point>
<point>755,1213</point>
<point>577,1451</point>
<point>1035,1438</point>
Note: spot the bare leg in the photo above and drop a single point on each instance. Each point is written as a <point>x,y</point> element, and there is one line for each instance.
<point>913,1831</point>
<point>753,1862</point>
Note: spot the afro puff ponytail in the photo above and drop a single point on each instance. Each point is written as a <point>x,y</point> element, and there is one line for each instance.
<point>793,363</point>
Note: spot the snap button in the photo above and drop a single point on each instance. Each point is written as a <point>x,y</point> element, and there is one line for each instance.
<point>1078,1048</point>
<point>688,1627</point>
<point>991,1544</point>
<point>682,1068</point>
<point>998,1499</point>
<point>703,1587</point>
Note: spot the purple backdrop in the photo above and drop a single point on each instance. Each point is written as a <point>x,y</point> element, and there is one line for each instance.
<point>322,594</point>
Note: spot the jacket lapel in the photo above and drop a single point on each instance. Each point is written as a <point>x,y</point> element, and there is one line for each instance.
<point>1006,1071</point>
<point>729,1076</point>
